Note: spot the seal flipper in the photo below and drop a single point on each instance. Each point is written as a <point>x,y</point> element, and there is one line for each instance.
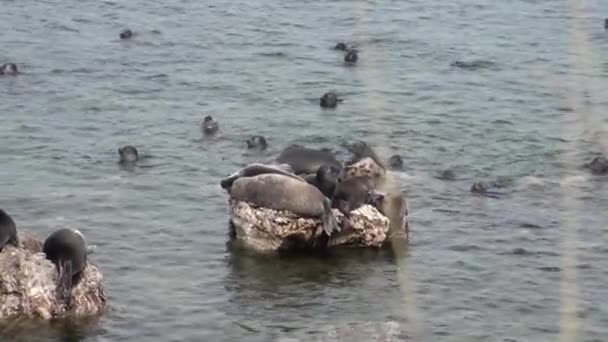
<point>330,224</point>
<point>343,207</point>
<point>64,287</point>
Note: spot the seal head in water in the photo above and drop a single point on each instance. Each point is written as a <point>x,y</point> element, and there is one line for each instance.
<point>8,69</point>
<point>126,34</point>
<point>67,249</point>
<point>329,100</point>
<point>280,192</point>
<point>8,230</point>
<point>128,154</point>
<point>351,57</point>
<point>257,142</point>
<point>209,125</point>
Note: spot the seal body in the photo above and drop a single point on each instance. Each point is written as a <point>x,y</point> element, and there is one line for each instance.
<point>8,230</point>
<point>67,249</point>
<point>281,192</point>
<point>209,125</point>
<point>307,160</point>
<point>329,100</point>
<point>353,193</point>
<point>258,169</point>
<point>128,154</point>
<point>8,69</point>
<point>258,142</point>
<point>326,180</point>
<point>351,56</point>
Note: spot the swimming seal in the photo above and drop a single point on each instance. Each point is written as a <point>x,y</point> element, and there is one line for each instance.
<point>280,192</point>
<point>351,56</point>
<point>8,69</point>
<point>8,230</point>
<point>128,154</point>
<point>307,160</point>
<point>340,46</point>
<point>395,162</point>
<point>352,193</point>
<point>67,249</point>
<point>258,169</point>
<point>126,34</point>
<point>326,180</point>
<point>209,125</point>
<point>329,100</point>
<point>257,141</point>
<point>598,166</point>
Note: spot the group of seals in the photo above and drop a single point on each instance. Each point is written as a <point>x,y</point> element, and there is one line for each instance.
<point>65,248</point>
<point>351,53</point>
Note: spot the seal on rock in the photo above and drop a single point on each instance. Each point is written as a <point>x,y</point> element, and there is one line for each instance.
<point>307,160</point>
<point>8,230</point>
<point>326,180</point>
<point>258,169</point>
<point>352,193</point>
<point>280,192</point>
<point>67,249</point>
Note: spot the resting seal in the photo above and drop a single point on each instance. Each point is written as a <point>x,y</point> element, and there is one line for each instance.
<point>128,154</point>
<point>361,150</point>
<point>67,249</point>
<point>209,125</point>
<point>307,160</point>
<point>326,180</point>
<point>8,230</point>
<point>352,193</point>
<point>8,69</point>
<point>280,192</point>
<point>258,169</point>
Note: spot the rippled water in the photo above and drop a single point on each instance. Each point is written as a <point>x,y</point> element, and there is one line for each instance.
<point>477,268</point>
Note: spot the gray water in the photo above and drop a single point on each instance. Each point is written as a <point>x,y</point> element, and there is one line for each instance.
<point>477,268</point>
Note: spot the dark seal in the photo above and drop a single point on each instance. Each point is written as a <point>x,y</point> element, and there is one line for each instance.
<point>352,193</point>
<point>67,249</point>
<point>360,150</point>
<point>209,125</point>
<point>395,162</point>
<point>126,34</point>
<point>9,69</point>
<point>351,56</point>
<point>257,169</point>
<point>598,166</point>
<point>307,160</point>
<point>8,230</point>
<point>128,154</point>
<point>340,46</point>
<point>326,180</point>
<point>257,142</point>
<point>328,100</point>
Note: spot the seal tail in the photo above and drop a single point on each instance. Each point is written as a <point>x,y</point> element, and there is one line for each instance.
<point>65,280</point>
<point>330,224</point>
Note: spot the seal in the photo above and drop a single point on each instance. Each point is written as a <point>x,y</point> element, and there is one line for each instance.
<point>9,69</point>
<point>8,230</point>
<point>257,141</point>
<point>128,154</point>
<point>606,23</point>
<point>279,192</point>
<point>351,56</point>
<point>307,160</point>
<point>258,169</point>
<point>67,249</point>
<point>341,46</point>
<point>395,162</point>
<point>361,150</point>
<point>329,100</point>
<point>352,193</point>
<point>326,180</point>
<point>126,34</point>
<point>598,166</point>
<point>395,208</point>
<point>209,126</point>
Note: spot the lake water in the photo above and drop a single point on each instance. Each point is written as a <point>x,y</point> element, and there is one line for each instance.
<point>527,104</point>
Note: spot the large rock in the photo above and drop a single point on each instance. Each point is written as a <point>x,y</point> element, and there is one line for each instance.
<point>264,229</point>
<point>28,285</point>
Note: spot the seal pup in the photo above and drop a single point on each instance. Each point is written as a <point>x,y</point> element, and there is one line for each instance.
<point>8,230</point>
<point>352,193</point>
<point>326,180</point>
<point>258,169</point>
<point>9,69</point>
<point>257,141</point>
<point>395,162</point>
<point>128,154</point>
<point>307,160</point>
<point>329,100</point>
<point>67,249</point>
<point>351,56</point>
<point>209,126</point>
<point>126,34</point>
<point>280,192</point>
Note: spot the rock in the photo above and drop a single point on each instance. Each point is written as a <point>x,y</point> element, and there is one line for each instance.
<point>28,285</point>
